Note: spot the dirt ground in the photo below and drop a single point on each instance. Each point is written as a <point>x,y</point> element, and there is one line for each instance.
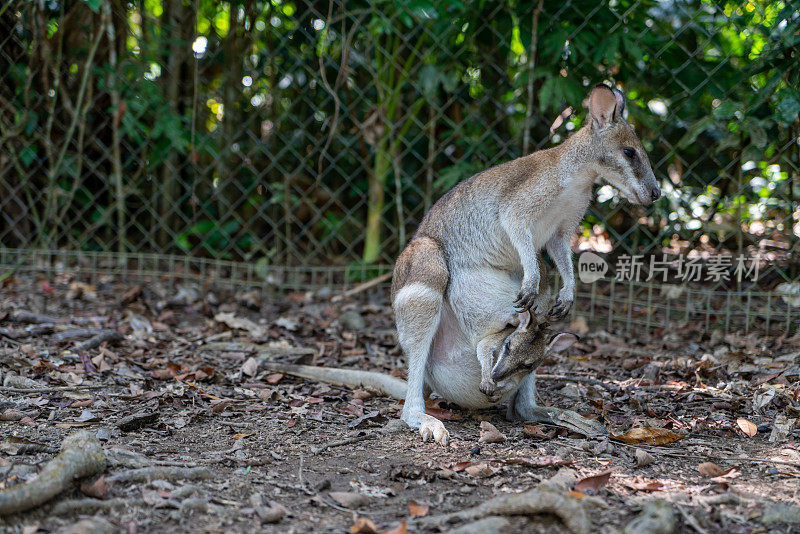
<point>181,386</point>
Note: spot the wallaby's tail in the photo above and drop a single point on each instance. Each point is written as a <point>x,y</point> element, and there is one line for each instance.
<point>352,378</point>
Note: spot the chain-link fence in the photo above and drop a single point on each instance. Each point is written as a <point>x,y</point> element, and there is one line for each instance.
<point>302,136</point>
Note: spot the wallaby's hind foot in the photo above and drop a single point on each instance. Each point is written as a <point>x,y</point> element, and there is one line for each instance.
<point>430,427</point>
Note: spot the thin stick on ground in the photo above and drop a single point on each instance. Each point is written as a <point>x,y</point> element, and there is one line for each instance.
<point>146,474</point>
<point>87,506</point>
<point>25,316</point>
<point>81,387</point>
<point>706,457</point>
<point>363,287</point>
<point>110,336</point>
<point>580,380</point>
<point>81,456</point>
<point>340,442</point>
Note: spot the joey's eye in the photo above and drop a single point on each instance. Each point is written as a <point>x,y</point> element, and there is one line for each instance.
<point>629,152</point>
<point>506,348</point>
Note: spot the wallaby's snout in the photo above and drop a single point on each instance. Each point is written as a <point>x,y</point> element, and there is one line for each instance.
<point>656,192</point>
<point>652,189</point>
<point>505,367</point>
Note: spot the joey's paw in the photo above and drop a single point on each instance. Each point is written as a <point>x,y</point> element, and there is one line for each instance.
<point>433,428</point>
<point>526,297</point>
<point>489,388</point>
<point>560,309</point>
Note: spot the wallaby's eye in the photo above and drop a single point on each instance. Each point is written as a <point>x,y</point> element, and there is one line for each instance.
<point>629,152</point>
<point>506,348</point>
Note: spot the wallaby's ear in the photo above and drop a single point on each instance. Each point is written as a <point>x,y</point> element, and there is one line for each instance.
<point>562,341</point>
<point>603,105</point>
<point>620,101</point>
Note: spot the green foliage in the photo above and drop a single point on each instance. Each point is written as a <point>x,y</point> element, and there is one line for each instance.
<point>278,148</point>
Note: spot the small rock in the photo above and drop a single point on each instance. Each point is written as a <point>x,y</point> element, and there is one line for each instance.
<point>481,470</point>
<point>271,514</point>
<point>11,415</point>
<point>490,434</point>
<point>352,320</point>
<point>487,525</point>
<point>187,491</point>
<point>250,367</point>
<point>643,458</point>
<point>194,504</point>
<point>571,391</point>
<point>781,513</point>
<point>256,500</point>
<point>349,499</point>
<point>94,525</point>
<point>137,421</point>
<point>657,517</point>
<point>394,426</point>
<point>13,380</point>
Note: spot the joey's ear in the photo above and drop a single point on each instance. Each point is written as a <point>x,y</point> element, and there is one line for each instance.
<point>602,105</point>
<point>620,103</point>
<point>561,341</point>
<point>526,319</point>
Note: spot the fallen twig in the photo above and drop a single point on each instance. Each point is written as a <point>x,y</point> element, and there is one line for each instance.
<point>146,474</point>
<point>676,454</point>
<point>8,389</point>
<point>84,506</point>
<point>81,455</point>
<point>238,426</point>
<point>363,287</point>
<point>581,380</point>
<point>25,316</point>
<point>340,442</point>
<point>110,336</point>
<point>77,333</point>
<point>31,331</point>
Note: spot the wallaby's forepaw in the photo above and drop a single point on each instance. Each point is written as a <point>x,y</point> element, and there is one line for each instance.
<point>526,297</point>
<point>560,309</point>
<point>430,427</point>
<point>489,388</point>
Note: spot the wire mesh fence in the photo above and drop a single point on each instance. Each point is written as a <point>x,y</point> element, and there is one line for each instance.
<point>302,136</point>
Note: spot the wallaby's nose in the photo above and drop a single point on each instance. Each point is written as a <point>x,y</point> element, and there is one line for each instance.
<point>498,374</point>
<point>656,193</point>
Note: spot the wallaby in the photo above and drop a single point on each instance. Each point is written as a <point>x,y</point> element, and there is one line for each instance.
<point>474,259</point>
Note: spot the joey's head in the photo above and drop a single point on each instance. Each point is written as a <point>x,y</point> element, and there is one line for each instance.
<point>620,157</point>
<point>527,346</point>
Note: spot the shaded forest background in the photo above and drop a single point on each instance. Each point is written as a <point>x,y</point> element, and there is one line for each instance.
<point>302,133</point>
